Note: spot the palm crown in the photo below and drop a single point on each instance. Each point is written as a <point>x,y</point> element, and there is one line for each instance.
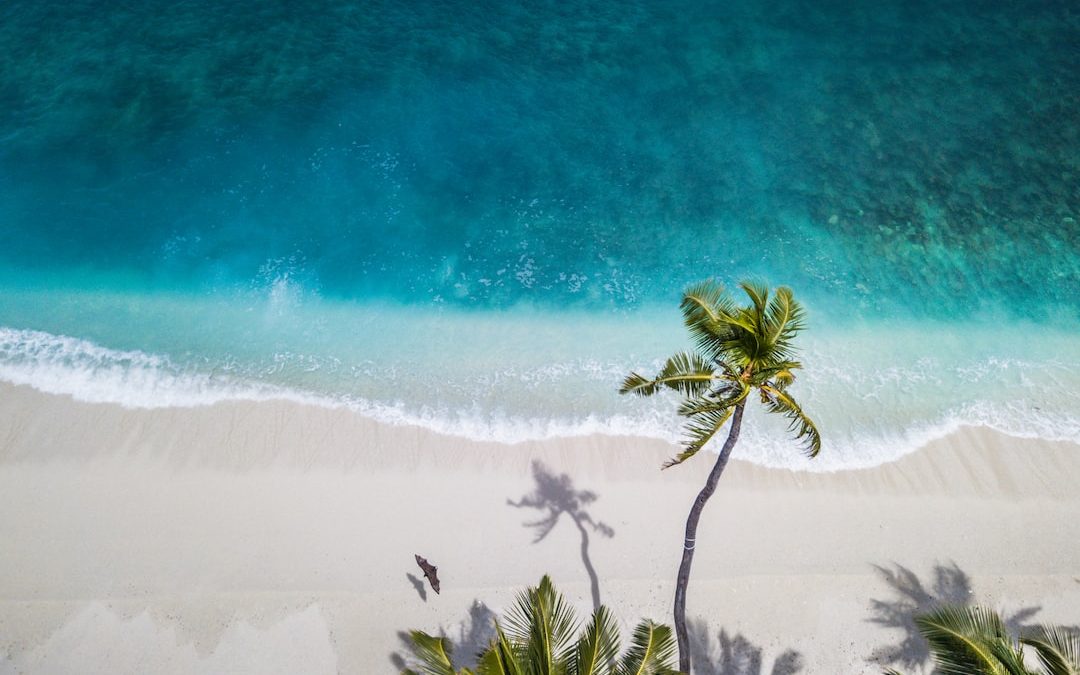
<point>739,350</point>
<point>537,638</point>
<point>973,641</point>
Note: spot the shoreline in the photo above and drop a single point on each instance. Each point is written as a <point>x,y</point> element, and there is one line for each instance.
<point>264,446</point>
<point>275,536</point>
<point>487,393</point>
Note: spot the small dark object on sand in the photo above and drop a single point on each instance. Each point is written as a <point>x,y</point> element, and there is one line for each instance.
<point>430,571</point>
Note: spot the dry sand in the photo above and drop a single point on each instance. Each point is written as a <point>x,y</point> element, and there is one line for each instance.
<point>274,537</point>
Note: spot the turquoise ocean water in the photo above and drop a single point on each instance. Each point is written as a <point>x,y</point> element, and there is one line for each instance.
<point>479,216</point>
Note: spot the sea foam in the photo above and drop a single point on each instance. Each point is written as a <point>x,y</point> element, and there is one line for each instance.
<point>868,416</point>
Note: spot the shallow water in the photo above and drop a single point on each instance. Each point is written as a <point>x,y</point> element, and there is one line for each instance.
<point>479,216</point>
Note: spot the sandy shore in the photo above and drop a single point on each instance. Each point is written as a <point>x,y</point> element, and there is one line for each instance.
<point>273,537</point>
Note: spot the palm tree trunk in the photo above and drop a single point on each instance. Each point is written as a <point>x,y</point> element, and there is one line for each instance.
<point>691,538</point>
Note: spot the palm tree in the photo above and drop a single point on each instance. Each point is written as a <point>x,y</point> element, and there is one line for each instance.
<point>973,641</point>
<point>538,640</point>
<point>739,350</point>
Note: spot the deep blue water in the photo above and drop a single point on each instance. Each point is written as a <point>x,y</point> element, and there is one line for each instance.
<point>316,195</point>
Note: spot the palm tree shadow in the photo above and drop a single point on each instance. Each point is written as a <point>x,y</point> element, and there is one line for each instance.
<point>734,655</point>
<point>474,634</point>
<point>555,496</point>
<point>949,586</point>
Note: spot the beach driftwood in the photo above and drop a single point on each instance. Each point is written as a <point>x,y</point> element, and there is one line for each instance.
<point>430,572</point>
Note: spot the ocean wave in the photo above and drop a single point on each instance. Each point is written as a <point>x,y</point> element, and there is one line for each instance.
<point>58,364</point>
<point>89,372</point>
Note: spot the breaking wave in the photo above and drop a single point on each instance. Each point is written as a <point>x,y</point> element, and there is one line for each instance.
<point>868,416</point>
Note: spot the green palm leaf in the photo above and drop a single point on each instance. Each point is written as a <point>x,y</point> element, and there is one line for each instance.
<point>688,374</point>
<point>729,371</point>
<point>1058,650</point>
<point>433,652</point>
<point>783,379</point>
<point>544,623</point>
<point>501,657</point>
<point>699,406</point>
<point>1009,657</point>
<point>746,345</point>
<point>781,402</point>
<point>735,394</point>
<point>699,431</point>
<point>536,640</point>
<point>711,317</point>
<point>635,383</point>
<point>705,301</point>
<point>783,320</point>
<point>597,647</point>
<point>960,638</point>
<point>763,374</point>
<point>759,295</point>
<point>651,650</point>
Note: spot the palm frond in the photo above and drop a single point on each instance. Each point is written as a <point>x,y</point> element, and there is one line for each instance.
<point>1009,657</point>
<point>754,342</point>
<point>705,301</point>
<point>734,394</point>
<point>500,658</point>
<point>783,379</point>
<point>543,622</point>
<point>699,431</point>
<point>960,639</point>
<point>433,653</point>
<point>764,373</point>
<point>711,316</point>
<point>636,383</point>
<point>652,648</point>
<point>597,647</point>
<point>1058,649</point>
<point>759,295</point>
<point>744,345</point>
<point>781,402</point>
<point>783,320</point>
<point>698,406</point>
<point>688,374</point>
<point>729,371</point>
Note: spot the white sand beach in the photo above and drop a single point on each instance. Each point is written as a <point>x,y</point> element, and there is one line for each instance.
<point>278,538</point>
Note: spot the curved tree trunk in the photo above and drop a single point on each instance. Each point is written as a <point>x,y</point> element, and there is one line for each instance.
<point>691,538</point>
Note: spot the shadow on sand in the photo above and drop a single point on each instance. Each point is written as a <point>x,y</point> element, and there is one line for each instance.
<point>911,596</point>
<point>735,655</point>
<point>418,584</point>
<point>472,636</point>
<point>554,497</point>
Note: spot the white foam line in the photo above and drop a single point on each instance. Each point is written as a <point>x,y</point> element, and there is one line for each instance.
<point>133,379</point>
